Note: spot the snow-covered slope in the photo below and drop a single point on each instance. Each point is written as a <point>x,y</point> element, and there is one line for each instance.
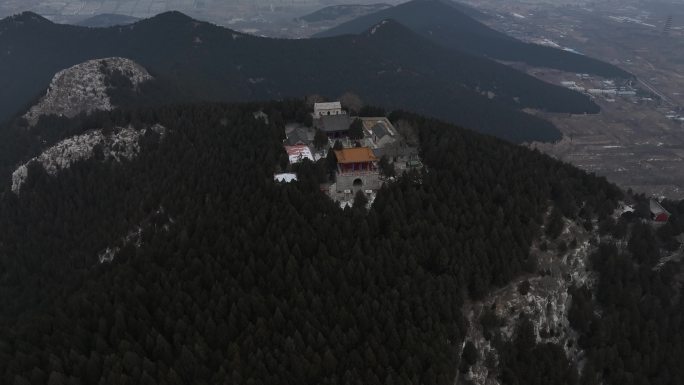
<point>121,143</point>
<point>83,88</point>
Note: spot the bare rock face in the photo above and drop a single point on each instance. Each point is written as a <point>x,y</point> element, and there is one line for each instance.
<point>545,302</point>
<point>83,88</point>
<point>122,143</point>
<point>134,236</point>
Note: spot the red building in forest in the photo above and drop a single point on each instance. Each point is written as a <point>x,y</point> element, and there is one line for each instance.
<point>658,212</point>
<point>357,159</point>
<point>357,169</point>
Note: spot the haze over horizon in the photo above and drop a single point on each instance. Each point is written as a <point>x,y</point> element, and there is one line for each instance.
<point>217,11</point>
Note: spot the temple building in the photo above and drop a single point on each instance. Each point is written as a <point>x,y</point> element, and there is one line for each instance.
<point>331,119</point>
<point>334,126</point>
<point>658,212</point>
<point>356,170</point>
<point>327,109</point>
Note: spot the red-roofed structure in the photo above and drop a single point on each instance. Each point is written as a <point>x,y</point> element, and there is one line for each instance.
<point>658,212</point>
<point>298,153</point>
<point>351,160</point>
<point>357,169</point>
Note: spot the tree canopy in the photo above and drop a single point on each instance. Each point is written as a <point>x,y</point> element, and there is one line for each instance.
<point>221,275</point>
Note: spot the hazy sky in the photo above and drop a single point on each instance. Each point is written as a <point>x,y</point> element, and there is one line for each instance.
<point>214,10</point>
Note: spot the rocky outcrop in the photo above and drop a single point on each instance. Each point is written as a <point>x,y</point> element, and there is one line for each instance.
<point>83,88</point>
<point>545,301</point>
<point>159,221</point>
<point>119,144</point>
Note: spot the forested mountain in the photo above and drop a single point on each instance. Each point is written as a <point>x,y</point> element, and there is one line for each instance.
<point>187,264</point>
<point>449,25</point>
<point>391,67</point>
<point>220,275</point>
<point>144,240</point>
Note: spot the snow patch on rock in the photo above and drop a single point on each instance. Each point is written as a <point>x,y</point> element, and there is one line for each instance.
<point>546,304</point>
<point>122,143</point>
<point>377,27</point>
<point>83,88</point>
<point>135,236</point>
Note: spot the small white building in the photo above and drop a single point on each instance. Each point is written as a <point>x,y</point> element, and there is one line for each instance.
<point>327,109</point>
<point>285,177</point>
<point>599,91</point>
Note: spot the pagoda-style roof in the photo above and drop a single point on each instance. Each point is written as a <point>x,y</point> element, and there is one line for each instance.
<point>355,155</point>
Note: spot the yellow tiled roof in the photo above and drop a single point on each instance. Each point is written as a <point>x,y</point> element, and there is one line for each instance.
<point>355,155</point>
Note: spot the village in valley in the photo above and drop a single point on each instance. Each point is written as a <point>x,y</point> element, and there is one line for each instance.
<point>361,153</point>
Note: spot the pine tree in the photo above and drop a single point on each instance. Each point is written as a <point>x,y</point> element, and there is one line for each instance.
<point>320,140</point>
<point>356,130</point>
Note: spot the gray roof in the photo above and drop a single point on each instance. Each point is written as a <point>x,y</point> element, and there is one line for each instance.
<point>335,123</point>
<point>379,130</point>
<point>299,135</point>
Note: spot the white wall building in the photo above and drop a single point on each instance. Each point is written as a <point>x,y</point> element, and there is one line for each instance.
<point>285,177</point>
<point>327,109</point>
<point>598,91</point>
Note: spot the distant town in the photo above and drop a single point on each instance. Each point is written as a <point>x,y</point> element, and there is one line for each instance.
<point>608,90</point>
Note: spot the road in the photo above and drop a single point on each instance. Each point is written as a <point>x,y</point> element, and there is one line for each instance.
<point>658,93</point>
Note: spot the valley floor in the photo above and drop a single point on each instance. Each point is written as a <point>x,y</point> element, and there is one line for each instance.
<point>632,145</point>
<point>638,146</point>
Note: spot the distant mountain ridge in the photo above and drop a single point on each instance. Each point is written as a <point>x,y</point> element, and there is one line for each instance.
<point>395,68</point>
<point>451,26</point>
<point>107,20</point>
<point>335,12</point>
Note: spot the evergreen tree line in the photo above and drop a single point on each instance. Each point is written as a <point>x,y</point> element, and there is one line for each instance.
<point>237,279</point>
<point>631,327</point>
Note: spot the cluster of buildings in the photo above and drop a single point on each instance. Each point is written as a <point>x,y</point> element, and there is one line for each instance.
<point>657,213</point>
<point>674,116</point>
<point>358,155</point>
<point>608,89</point>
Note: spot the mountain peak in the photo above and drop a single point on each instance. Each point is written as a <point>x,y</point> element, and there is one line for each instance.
<point>28,17</point>
<point>386,27</point>
<point>84,87</point>
<point>452,26</point>
<point>172,16</point>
